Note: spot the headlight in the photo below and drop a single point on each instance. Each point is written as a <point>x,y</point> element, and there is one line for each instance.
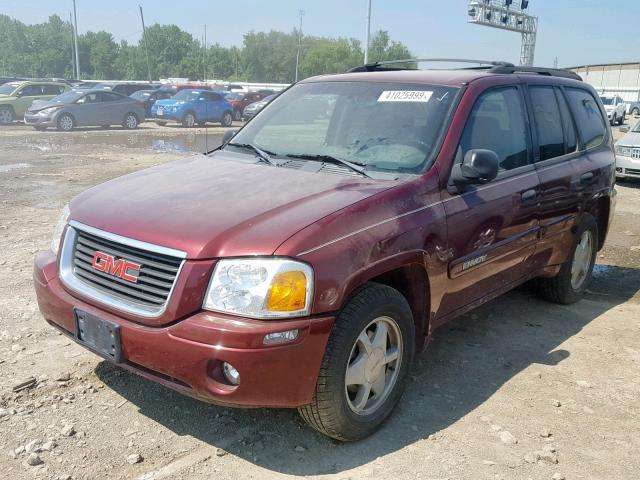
<point>57,233</point>
<point>49,110</point>
<point>624,151</point>
<point>260,288</point>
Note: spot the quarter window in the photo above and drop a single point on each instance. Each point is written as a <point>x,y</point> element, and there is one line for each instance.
<point>548,122</point>
<point>588,116</point>
<point>497,123</point>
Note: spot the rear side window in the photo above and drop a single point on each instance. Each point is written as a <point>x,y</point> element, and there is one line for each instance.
<point>548,122</point>
<point>52,89</point>
<point>497,123</point>
<point>110,97</point>
<point>571,137</point>
<point>587,113</point>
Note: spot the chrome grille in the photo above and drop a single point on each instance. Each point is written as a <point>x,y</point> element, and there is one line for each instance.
<point>147,295</point>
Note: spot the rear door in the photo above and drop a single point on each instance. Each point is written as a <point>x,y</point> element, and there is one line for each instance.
<point>214,106</point>
<point>570,174</point>
<point>113,107</point>
<point>492,228</point>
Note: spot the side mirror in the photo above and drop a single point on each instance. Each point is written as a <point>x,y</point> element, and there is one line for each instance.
<point>625,129</point>
<point>228,135</point>
<point>20,93</point>
<point>478,167</point>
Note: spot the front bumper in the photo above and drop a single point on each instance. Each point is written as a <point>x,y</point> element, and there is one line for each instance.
<point>39,120</point>
<point>167,116</point>
<point>186,356</point>
<point>627,167</point>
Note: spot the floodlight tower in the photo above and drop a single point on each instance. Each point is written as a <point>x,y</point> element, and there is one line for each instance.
<point>508,15</point>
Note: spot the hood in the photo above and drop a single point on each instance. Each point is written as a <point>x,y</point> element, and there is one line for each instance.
<point>40,104</point>
<point>218,206</point>
<point>169,102</point>
<point>631,139</point>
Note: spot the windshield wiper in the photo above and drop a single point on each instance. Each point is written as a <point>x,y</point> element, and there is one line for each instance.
<point>356,167</point>
<point>261,154</point>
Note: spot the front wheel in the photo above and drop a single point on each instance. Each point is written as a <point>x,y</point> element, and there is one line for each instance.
<point>621,119</point>
<point>227,119</point>
<point>6,115</point>
<point>570,284</point>
<point>365,366</point>
<point>130,121</point>
<point>614,119</point>
<point>237,115</point>
<point>65,122</point>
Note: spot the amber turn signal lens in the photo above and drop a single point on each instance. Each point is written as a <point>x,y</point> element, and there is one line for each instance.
<point>288,292</point>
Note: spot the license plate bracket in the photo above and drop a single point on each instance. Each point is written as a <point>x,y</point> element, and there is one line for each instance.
<point>98,335</point>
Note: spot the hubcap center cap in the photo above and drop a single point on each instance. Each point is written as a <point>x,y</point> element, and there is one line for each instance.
<point>374,366</point>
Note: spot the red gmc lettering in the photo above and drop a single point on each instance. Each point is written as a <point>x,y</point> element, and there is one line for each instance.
<point>120,268</point>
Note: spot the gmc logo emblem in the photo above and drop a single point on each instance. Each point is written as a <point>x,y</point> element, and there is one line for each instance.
<point>120,267</point>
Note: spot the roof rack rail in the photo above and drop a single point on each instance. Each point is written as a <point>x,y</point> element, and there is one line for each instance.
<point>551,72</point>
<point>381,66</point>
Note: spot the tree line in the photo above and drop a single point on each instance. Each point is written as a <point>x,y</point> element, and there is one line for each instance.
<point>45,50</point>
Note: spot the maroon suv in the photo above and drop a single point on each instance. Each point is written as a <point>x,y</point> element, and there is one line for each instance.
<point>305,262</point>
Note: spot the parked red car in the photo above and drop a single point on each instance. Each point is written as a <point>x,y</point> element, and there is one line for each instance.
<point>401,199</point>
<point>239,100</point>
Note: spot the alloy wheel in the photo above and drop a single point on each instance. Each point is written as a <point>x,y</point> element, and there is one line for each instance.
<point>6,116</point>
<point>582,260</point>
<point>373,367</point>
<point>65,123</point>
<point>189,120</point>
<point>131,121</point>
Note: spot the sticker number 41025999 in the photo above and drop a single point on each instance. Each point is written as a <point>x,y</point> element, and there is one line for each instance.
<point>405,96</point>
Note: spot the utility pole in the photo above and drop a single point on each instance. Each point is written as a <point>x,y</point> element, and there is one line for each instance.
<point>204,55</point>
<point>73,53</point>
<point>75,39</point>
<point>368,36</point>
<point>301,13</point>
<point>144,38</point>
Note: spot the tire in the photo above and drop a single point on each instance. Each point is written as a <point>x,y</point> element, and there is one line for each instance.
<point>635,112</point>
<point>562,288</point>
<point>336,409</point>
<point>614,119</point>
<point>65,122</point>
<point>162,124</point>
<point>621,121</point>
<point>6,115</point>
<point>189,120</point>
<point>227,119</point>
<point>237,115</point>
<point>130,121</point>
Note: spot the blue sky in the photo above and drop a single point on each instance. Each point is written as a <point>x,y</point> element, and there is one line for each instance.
<point>576,31</point>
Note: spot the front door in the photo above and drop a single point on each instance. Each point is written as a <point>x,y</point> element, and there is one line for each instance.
<point>492,228</point>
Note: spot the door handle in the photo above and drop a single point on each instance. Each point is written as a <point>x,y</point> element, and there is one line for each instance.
<point>586,177</point>
<point>529,196</point>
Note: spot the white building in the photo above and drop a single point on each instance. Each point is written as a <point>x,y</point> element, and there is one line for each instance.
<point>622,79</point>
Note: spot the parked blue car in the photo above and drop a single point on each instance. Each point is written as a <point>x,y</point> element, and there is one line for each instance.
<point>191,107</point>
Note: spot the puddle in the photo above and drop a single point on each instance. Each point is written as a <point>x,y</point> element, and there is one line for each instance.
<point>164,142</point>
<point>12,166</point>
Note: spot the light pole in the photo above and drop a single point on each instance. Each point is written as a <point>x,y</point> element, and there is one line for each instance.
<point>368,37</point>
<point>75,39</point>
<point>301,13</point>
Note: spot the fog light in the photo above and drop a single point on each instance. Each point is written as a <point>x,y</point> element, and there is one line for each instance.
<point>231,373</point>
<point>280,337</point>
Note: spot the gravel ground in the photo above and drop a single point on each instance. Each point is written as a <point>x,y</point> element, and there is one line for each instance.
<point>517,389</point>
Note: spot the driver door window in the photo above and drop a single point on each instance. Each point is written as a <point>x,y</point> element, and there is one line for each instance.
<point>497,123</point>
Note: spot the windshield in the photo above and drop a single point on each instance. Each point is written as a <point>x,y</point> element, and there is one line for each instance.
<point>607,100</point>
<point>186,95</point>
<point>67,97</point>
<point>141,95</point>
<point>382,126</point>
<point>8,88</point>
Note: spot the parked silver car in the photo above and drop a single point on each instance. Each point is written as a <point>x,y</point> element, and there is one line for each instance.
<point>252,109</point>
<point>628,153</point>
<point>85,108</point>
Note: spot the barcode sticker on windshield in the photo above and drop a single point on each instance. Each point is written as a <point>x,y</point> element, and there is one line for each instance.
<point>405,96</point>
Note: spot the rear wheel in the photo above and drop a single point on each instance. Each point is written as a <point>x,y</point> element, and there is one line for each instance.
<point>635,112</point>
<point>189,120</point>
<point>227,119</point>
<point>130,121</point>
<point>365,366</point>
<point>65,122</point>
<point>570,284</point>
<point>6,115</point>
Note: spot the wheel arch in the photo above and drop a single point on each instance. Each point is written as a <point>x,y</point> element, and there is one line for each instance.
<point>407,274</point>
<point>600,209</point>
